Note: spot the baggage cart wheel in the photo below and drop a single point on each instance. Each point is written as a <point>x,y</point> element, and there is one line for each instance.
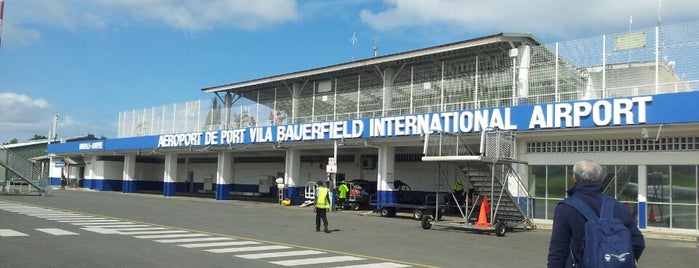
<point>355,206</point>
<point>388,212</point>
<point>417,214</point>
<point>427,222</point>
<point>500,229</point>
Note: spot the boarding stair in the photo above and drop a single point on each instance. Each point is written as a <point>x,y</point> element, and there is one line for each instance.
<point>489,171</point>
<point>28,180</point>
<point>616,181</point>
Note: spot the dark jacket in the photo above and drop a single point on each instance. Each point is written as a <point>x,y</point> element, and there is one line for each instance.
<point>569,225</point>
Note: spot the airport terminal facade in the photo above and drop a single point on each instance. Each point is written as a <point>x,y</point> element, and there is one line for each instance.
<point>626,100</point>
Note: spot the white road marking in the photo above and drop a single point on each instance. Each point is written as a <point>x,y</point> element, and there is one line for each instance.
<point>99,223</point>
<point>243,249</point>
<point>189,240</point>
<point>375,265</point>
<point>218,244</point>
<point>140,229</point>
<point>8,232</point>
<point>169,236</point>
<point>279,254</point>
<point>317,260</point>
<point>100,230</point>
<point>55,231</point>
<point>117,225</point>
<point>86,221</point>
<point>154,232</point>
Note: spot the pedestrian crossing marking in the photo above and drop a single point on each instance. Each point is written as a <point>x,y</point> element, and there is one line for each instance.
<point>118,225</point>
<point>169,236</point>
<point>98,223</point>
<point>280,254</point>
<point>100,230</point>
<point>55,231</point>
<point>375,265</point>
<point>218,244</point>
<point>86,221</point>
<point>140,229</point>
<point>8,232</point>
<point>320,260</point>
<point>186,240</point>
<point>242,249</point>
<point>154,232</point>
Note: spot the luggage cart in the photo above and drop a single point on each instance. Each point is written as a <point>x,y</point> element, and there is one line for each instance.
<point>309,193</point>
<point>490,172</point>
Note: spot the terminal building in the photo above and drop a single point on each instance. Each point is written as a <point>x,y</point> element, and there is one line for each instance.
<point>627,101</point>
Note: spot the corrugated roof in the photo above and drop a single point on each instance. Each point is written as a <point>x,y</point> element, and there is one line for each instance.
<point>414,55</point>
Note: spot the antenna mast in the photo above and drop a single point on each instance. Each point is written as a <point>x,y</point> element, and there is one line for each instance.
<point>375,48</point>
<point>354,41</point>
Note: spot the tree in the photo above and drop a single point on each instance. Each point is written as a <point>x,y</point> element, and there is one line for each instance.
<point>38,137</point>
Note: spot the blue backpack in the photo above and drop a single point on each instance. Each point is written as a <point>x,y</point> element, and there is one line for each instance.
<point>607,240</point>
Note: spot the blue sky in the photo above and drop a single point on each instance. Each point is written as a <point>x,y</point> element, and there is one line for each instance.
<point>89,60</point>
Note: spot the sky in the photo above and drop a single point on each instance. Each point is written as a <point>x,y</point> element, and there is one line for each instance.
<point>89,60</point>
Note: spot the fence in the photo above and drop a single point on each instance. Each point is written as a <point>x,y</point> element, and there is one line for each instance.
<point>641,62</point>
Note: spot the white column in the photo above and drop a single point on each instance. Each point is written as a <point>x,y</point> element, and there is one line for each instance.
<point>129,184</point>
<point>170,174</point>
<point>642,195</point>
<point>385,176</point>
<point>292,175</point>
<point>224,175</point>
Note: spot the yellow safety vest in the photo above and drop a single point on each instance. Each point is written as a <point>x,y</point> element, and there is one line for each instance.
<point>322,200</point>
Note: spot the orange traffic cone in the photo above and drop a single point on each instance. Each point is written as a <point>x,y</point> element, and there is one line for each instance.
<point>651,214</point>
<point>482,216</point>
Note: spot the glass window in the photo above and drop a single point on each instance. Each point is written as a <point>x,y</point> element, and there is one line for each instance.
<point>684,216</point>
<point>684,184</point>
<point>658,215</point>
<point>537,176</point>
<point>628,176</point>
<point>558,181</point>
<point>658,183</point>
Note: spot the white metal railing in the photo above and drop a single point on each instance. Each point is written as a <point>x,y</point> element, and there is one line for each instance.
<point>661,60</point>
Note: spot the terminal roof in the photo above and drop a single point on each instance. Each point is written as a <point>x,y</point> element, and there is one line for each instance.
<point>497,43</point>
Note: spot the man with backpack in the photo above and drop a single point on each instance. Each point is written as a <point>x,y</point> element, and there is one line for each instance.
<point>583,235</point>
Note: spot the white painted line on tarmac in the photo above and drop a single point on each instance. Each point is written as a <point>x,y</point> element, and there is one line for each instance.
<point>375,265</point>
<point>9,232</point>
<point>100,230</point>
<point>87,221</point>
<point>190,240</point>
<point>149,228</point>
<point>169,236</point>
<point>279,254</point>
<point>243,249</point>
<point>218,244</point>
<point>154,232</point>
<point>317,260</point>
<point>117,225</point>
<point>99,223</point>
<point>55,231</point>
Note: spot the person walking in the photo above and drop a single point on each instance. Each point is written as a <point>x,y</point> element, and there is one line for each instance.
<point>568,231</point>
<point>342,195</point>
<point>322,205</point>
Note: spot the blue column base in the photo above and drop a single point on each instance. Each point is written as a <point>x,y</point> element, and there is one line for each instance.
<point>169,188</point>
<point>642,222</point>
<point>223,191</point>
<point>128,187</point>
<point>295,194</point>
<point>385,197</point>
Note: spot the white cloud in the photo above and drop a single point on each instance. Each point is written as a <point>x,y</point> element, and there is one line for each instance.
<point>22,116</point>
<point>557,18</point>
<point>25,19</point>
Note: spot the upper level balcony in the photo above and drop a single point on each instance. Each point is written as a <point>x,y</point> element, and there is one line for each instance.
<point>492,71</point>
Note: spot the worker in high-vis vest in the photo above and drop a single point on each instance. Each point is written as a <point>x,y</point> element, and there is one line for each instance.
<point>322,205</point>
